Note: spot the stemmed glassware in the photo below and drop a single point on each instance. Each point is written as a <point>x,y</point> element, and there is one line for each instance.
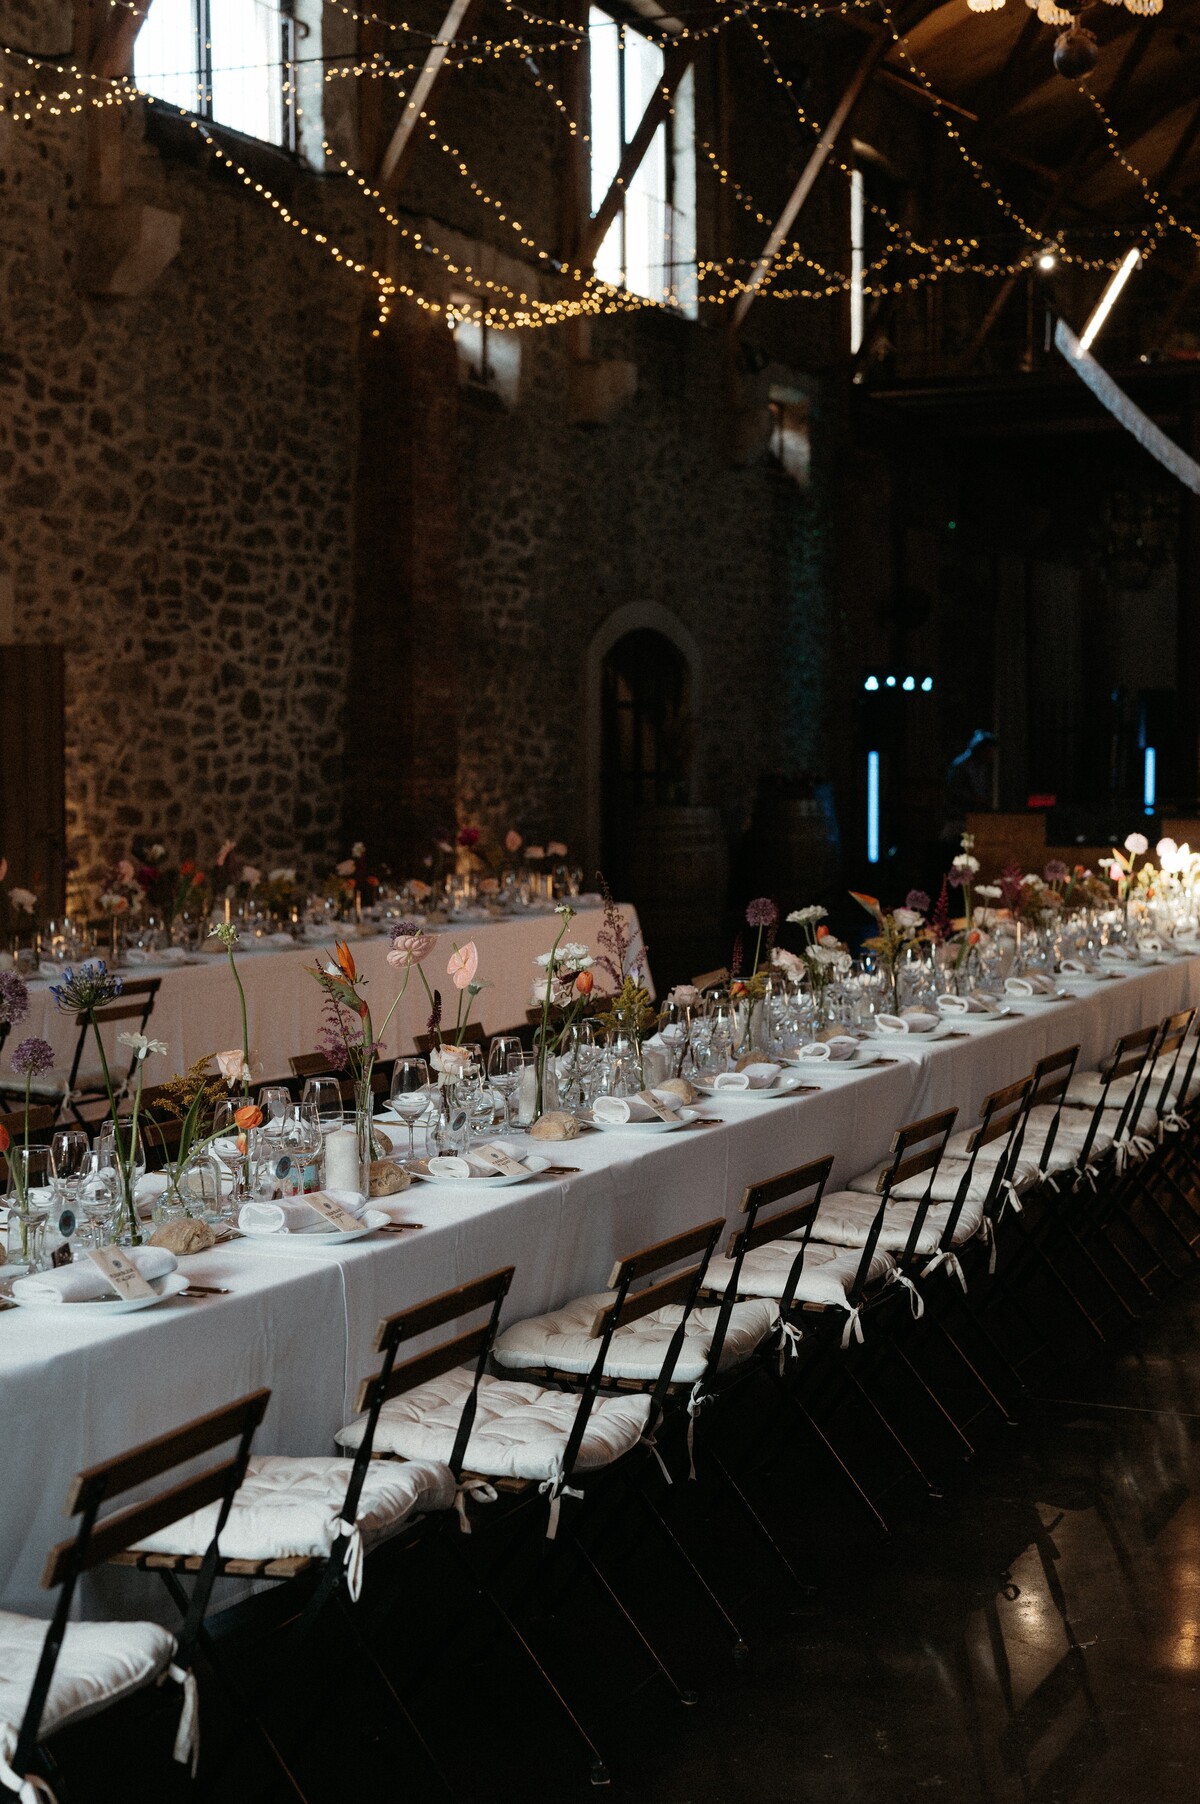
<point>322,1103</point>
<point>410,1094</point>
<point>502,1079</point>
<point>70,1153</point>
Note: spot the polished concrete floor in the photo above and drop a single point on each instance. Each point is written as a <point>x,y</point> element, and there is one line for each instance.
<point>1034,1634</point>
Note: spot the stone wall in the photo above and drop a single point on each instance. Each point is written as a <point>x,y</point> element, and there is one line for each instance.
<point>177,495</point>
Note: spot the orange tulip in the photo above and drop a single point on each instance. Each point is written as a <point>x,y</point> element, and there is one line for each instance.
<point>248,1117</point>
<point>584,983</point>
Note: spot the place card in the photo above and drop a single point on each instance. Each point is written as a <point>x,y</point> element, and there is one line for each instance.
<point>121,1273</point>
<point>652,1102</point>
<point>334,1214</point>
<point>502,1163</point>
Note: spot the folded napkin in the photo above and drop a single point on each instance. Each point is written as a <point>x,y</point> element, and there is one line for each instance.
<point>983,1004</point>
<point>1075,967</point>
<point>912,1021</point>
<point>175,955</point>
<point>469,1165</point>
<point>293,1215</point>
<point>1187,930</point>
<point>280,939</point>
<point>954,1005</point>
<point>617,1110</point>
<point>758,1076</point>
<point>134,955</point>
<point>1150,943</point>
<point>1029,986</point>
<point>83,1282</point>
<point>839,1048</point>
<point>1115,954</point>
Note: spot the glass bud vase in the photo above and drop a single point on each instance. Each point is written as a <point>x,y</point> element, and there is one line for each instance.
<point>451,1129</point>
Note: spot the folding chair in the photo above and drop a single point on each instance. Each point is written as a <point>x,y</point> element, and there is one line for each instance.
<point>528,1442</point>
<point>311,1524</point>
<point>84,1084</point>
<point>54,1676</point>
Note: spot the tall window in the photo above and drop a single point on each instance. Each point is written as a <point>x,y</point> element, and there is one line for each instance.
<point>650,247</point>
<point>229,60</point>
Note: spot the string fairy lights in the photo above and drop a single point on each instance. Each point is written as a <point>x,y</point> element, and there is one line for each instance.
<point>552,291</point>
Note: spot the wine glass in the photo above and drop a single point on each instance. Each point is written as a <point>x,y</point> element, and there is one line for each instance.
<point>410,1093</point>
<point>70,1152</point>
<point>322,1102</point>
<point>502,1079</point>
<point>518,1062</point>
<point>275,1101</point>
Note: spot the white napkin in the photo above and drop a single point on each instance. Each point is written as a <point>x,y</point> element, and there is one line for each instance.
<point>450,1165</point>
<point>983,1004</point>
<point>468,1165</point>
<point>1116,954</point>
<point>1075,967</point>
<point>953,1005</point>
<point>82,1282</point>
<point>1028,986</point>
<point>1150,943</point>
<point>293,1215</point>
<point>1187,930</point>
<point>280,939</point>
<point>761,1076</point>
<point>838,1048</point>
<point>134,955</point>
<point>617,1110</point>
<point>913,1021</point>
<point>175,955</point>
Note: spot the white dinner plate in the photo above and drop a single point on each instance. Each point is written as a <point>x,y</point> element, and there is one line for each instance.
<point>163,1289</point>
<point>534,1165</point>
<point>771,1093</point>
<point>318,1239</point>
<point>1042,996</point>
<point>681,1119</point>
<point>867,1052</point>
<point>944,1027</point>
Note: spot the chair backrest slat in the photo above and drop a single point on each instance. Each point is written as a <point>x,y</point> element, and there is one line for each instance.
<point>640,1303</point>
<point>663,1253</point>
<point>111,1477</point>
<point>406,1324</point>
<point>115,1533</point>
<point>422,1368</point>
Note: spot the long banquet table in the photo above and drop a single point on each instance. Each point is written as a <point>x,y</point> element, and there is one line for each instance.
<point>196,1010</point>
<point>73,1391</point>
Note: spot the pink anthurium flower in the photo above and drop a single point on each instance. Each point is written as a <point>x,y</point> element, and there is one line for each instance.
<point>464,962</point>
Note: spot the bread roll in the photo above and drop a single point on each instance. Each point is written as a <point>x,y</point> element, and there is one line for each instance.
<point>557,1125</point>
<point>183,1236</point>
<point>387,1179</point>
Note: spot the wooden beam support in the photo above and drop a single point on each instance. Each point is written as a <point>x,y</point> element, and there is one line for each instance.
<point>677,60</point>
<point>818,157</point>
<point>1061,191</point>
<point>396,158</point>
<point>113,38</point>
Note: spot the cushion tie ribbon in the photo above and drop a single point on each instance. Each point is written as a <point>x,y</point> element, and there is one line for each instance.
<point>556,1489</point>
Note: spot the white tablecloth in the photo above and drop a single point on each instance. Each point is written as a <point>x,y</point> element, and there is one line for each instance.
<point>74,1391</point>
<point>196,1011</point>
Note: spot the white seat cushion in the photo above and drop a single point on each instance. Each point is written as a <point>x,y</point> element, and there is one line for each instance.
<point>291,1506</point>
<point>562,1340</point>
<point>520,1429</point>
<point>1073,1127</point>
<point>946,1181</point>
<point>829,1271</point>
<point>99,1663</point>
<point>958,1151</point>
<point>846,1216</point>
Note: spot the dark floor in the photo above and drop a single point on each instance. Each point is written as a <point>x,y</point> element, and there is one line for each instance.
<point>1033,1635</point>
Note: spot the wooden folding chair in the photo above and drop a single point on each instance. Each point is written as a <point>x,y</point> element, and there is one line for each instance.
<point>102,1657</point>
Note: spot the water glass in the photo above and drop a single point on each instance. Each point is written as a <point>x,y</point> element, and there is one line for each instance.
<point>322,1103</point>
<point>502,1079</point>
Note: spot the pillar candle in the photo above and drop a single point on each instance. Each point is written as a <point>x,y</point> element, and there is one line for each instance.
<point>341,1161</point>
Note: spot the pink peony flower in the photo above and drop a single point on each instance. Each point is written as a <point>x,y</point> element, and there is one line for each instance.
<point>512,841</point>
<point>464,962</point>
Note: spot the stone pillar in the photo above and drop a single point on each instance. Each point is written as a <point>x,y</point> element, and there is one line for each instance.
<point>401,758</point>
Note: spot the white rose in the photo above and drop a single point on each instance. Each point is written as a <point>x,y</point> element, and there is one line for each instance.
<point>907,917</point>
<point>1137,843</point>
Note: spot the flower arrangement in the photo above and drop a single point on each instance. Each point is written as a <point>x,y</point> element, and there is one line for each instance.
<point>1124,864</point>
<point>81,991</point>
<point>234,1066</point>
<point>32,1058</point>
<point>896,931</point>
<point>563,989</point>
<point>350,1028</point>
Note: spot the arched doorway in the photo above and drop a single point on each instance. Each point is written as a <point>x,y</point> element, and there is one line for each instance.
<point>645,738</point>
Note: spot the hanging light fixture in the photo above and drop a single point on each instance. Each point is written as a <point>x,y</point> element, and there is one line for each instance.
<point>1076,49</point>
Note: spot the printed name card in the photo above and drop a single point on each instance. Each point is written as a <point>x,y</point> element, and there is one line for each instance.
<point>334,1214</point>
<point>502,1163</point>
<point>121,1272</point>
<point>652,1102</point>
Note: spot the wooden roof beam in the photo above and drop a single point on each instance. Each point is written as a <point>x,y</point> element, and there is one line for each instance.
<point>817,159</point>
<point>112,39</point>
<point>393,165</point>
<point>677,59</point>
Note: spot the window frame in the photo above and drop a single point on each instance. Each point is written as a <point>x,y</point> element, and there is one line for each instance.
<point>289,31</point>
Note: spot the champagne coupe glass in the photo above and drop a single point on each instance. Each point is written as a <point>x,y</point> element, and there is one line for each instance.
<point>410,1094</point>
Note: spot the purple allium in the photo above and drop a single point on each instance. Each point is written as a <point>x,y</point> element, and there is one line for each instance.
<point>32,1057</point>
<point>735,958</point>
<point>918,901</point>
<point>1056,871</point>
<point>762,912</point>
<point>14,997</point>
<point>406,930</point>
